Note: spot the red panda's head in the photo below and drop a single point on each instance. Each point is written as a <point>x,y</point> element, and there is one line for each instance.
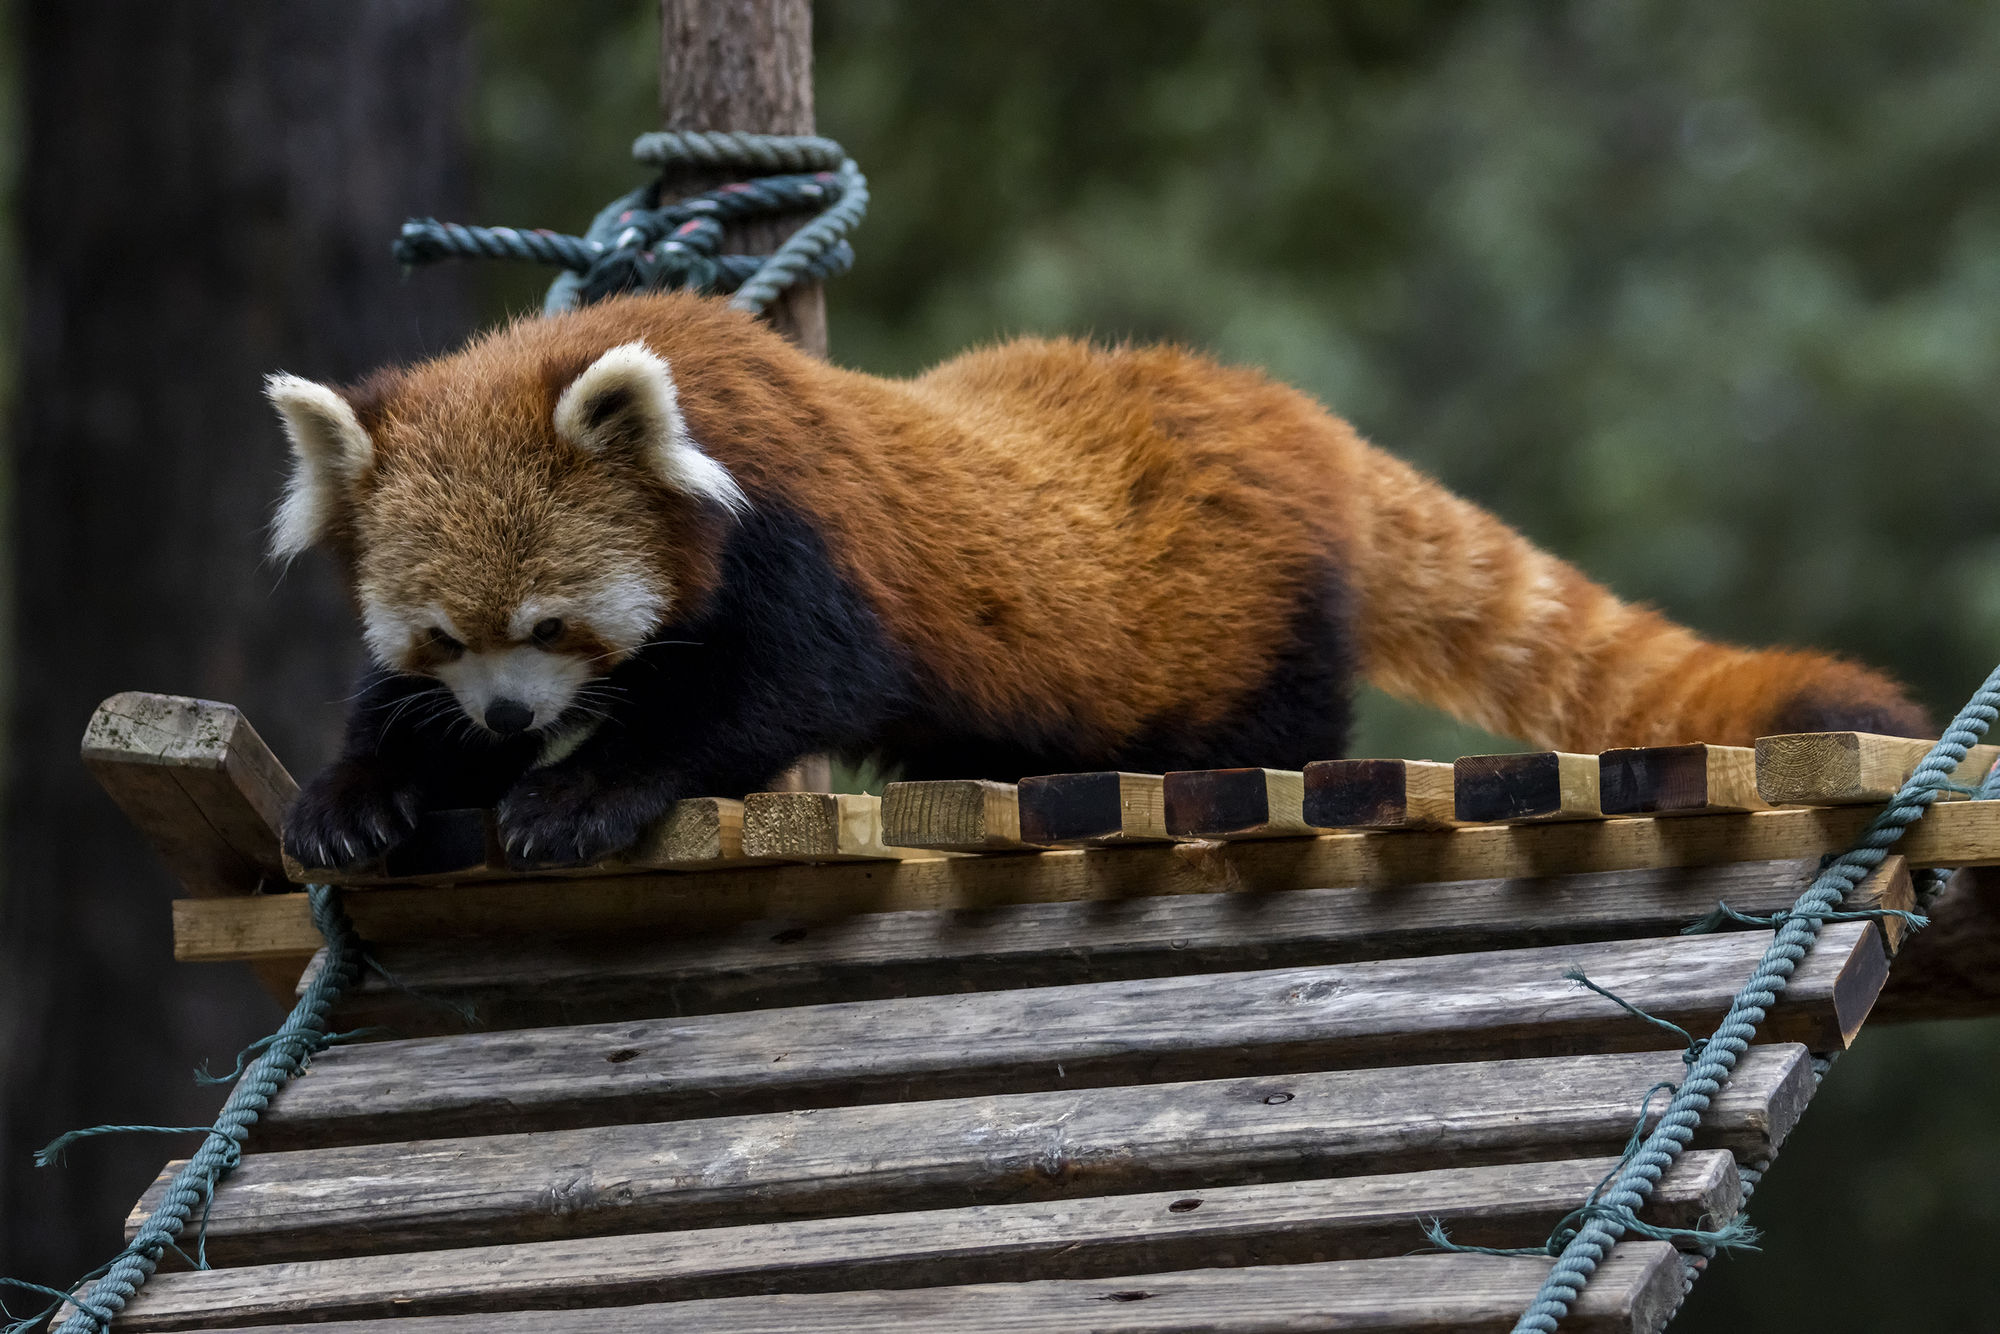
<point>515,520</point>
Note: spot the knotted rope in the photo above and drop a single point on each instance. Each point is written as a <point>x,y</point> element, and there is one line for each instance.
<point>640,243</point>
<point>1613,1211</point>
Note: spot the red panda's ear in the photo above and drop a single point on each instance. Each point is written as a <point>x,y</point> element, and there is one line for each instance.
<point>625,401</point>
<point>330,452</point>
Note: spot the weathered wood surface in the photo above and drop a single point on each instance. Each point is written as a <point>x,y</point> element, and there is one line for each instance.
<point>1678,780</point>
<point>436,1194</point>
<point>1288,1222</point>
<point>953,815</point>
<point>1954,834</point>
<point>531,982</point>
<point>1235,803</point>
<point>198,782</point>
<point>1635,1291</point>
<point>817,827</point>
<point>1533,785</point>
<point>1093,810</point>
<point>1379,794</point>
<point>1468,1007</point>
<point>1830,768</point>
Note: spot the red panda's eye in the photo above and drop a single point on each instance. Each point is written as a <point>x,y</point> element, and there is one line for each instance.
<point>548,630</point>
<point>445,644</point>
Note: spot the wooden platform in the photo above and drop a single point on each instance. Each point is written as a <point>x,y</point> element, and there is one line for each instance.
<point>810,1065</point>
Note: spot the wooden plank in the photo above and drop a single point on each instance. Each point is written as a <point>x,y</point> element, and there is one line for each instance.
<point>817,827</point>
<point>1533,785</point>
<point>1955,834</point>
<point>1635,1291</point>
<point>1678,780</point>
<point>1093,810</point>
<point>1289,1222</point>
<point>1834,768</point>
<point>1470,1007</point>
<point>1379,794</point>
<point>953,815</point>
<point>542,980</point>
<point>1235,803</point>
<point>1010,1148</point>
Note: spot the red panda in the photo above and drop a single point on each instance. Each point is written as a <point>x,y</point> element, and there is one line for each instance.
<point>648,550</point>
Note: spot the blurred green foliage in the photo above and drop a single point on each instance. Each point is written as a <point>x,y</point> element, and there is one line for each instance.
<point>1706,298</point>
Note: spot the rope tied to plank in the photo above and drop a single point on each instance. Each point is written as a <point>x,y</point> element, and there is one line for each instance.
<point>1793,939</point>
<point>283,1055</point>
<point>641,242</point>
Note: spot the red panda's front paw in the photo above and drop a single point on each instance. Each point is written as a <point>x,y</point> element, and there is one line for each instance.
<point>348,816</point>
<point>563,816</point>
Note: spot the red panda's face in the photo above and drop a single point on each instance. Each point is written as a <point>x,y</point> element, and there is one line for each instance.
<point>513,548</point>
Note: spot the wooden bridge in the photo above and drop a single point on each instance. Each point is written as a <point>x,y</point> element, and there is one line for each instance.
<point>1106,1052</point>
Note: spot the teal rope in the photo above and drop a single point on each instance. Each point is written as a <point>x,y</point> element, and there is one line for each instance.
<point>284,1054</point>
<point>639,243</point>
<point>1722,1049</point>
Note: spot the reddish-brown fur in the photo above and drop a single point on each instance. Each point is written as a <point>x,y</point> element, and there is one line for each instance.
<point>1093,538</point>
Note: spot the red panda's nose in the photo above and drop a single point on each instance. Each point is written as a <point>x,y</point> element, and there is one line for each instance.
<point>507,716</point>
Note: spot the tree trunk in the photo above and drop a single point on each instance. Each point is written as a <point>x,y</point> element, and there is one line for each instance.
<point>208,194</point>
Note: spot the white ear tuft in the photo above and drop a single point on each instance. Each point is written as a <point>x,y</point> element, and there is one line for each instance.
<point>626,399</point>
<point>330,451</point>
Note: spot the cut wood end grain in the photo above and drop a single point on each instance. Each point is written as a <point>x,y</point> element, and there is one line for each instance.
<point>1094,809</point>
<point>818,827</point>
<point>1678,780</point>
<point>1533,785</point>
<point>953,815</point>
<point>1840,768</point>
<point>1235,803</point>
<point>1379,794</point>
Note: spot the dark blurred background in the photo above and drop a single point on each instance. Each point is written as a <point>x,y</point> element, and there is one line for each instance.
<point>1705,298</point>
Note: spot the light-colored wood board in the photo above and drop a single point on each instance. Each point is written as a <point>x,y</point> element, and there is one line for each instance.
<point>534,981</point>
<point>1532,785</point>
<point>1834,768</point>
<point>818,827</point>
<point>1105,809</point>
<point>1463,1007</point>
<point>1951,835</point>
<point>953,815</point>
<point>1379,794</point>
<point>1288,1222</point>
<point>1678,780</point>
<point>1635,1291</point>
<point>1009,1148</point>
<point>1235,803</point>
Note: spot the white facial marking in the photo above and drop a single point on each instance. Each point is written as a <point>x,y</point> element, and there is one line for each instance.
<point>546,683</point>
<point>624,610</point>
<point>628,396</point>
<point>390,631</point>
<point>330,451</point>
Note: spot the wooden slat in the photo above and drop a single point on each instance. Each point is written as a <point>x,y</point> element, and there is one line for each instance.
<point>1835,768</point>
<point>953,815</point>
<point>817,827</point>
<point>1379,794</point>
<point>1678,780</point>
<point>1533,785</point>
<point>1093,810</point>
<point>1635,1291</point>
<point>1235,803</point>
<point>1951,835</point>
<point>1508,1003</point>
<point>531,982</point>
<point>435,1194</point>
<point>1289,1222</point>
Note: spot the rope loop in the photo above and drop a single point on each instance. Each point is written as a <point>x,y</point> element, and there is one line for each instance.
<point>640,242</point>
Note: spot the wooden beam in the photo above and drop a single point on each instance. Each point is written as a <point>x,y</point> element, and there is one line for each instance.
<point>817,827</point>
<point>1094,810</point>
<point>1235,803</point>
<point>1635,1290</point>
<point>1012,1148</point>
<point>1535,785</point>
<point>1463,1007</point>
<point>1285,1222</point>
<point>1834,768</point>
<point>953,815</point>
<point>1379,794</point>
<point>1955,834</point>
<point>1678,780</point>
